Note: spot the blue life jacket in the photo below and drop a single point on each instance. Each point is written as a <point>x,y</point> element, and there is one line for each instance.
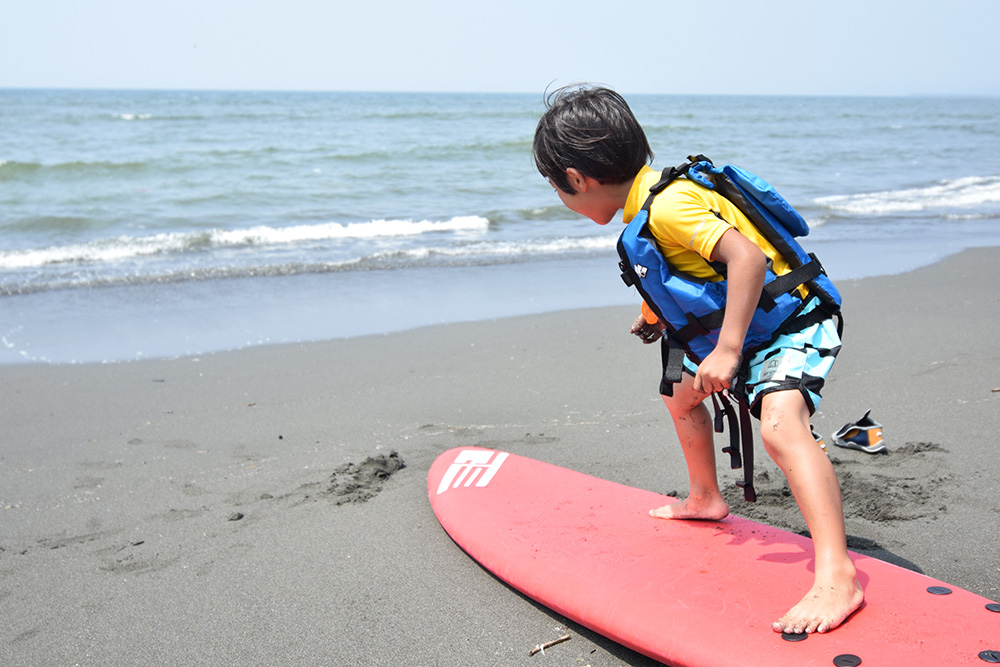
<point>692,309</point>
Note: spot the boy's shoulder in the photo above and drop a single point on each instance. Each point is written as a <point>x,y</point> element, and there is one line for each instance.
<point>681,195</point>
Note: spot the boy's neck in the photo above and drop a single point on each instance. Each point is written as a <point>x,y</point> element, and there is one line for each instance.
<point>620,192</point>
<point>616,195</point>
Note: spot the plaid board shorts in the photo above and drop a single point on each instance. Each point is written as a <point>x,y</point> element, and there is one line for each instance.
<point>794,360</point>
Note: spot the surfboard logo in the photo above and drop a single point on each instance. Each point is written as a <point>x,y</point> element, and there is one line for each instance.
<point>472,466</point>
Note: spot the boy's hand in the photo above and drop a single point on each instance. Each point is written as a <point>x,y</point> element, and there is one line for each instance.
<point>647,333</point>
<point>717,371</point>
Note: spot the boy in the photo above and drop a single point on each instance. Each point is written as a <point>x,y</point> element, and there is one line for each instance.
<point>592,150</point>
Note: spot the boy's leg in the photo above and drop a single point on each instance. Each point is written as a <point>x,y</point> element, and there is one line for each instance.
<point>694,430</point>
<point>836,592</point>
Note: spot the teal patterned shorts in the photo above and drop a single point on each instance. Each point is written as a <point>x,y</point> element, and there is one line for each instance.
<point>796,360</point>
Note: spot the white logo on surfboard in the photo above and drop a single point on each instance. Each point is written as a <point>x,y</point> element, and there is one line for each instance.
<point>472,467</point>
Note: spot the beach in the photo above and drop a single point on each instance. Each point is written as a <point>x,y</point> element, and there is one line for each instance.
<point>217,509</point>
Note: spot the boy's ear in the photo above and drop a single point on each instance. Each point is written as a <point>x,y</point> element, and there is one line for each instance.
<point>577,180</point>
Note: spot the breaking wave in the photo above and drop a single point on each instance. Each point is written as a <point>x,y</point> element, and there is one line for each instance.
<point>128,247</point>
<point>968,192</point>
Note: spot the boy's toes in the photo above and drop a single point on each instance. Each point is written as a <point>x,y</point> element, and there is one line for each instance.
<point>797,626</point>
<point>788,628</point>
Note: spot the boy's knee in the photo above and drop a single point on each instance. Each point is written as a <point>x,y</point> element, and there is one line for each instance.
<point>773,435</point>
<point>686,405</point>
<point>782,427</point>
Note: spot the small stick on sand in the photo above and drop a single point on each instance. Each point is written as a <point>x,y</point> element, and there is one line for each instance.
<point>541,647</point>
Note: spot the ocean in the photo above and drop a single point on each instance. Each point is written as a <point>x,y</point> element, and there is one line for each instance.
<point>142,224</point>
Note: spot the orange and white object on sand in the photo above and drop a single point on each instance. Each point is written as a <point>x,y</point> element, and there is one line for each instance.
<point>865,435</point>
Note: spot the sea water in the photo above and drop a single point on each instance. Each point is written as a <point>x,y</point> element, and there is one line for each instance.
<point>161,223</point>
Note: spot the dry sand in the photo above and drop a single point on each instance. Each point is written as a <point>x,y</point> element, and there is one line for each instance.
<point>223,510</point>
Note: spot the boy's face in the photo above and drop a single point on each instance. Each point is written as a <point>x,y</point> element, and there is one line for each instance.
<point>589,200</point>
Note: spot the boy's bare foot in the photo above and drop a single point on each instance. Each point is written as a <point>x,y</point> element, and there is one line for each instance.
<point>714,509</point>
<point>823,608</point>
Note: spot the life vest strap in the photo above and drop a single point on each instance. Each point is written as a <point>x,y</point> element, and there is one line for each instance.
<point>815,316</point>
<point>794,278</point>
<point>746,435</point>
<point>740,439</point>
<point>672,357</point>
<point>735,460</point>
<point>699,326</point>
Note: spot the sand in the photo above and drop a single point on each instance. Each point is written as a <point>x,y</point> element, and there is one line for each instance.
<point>269,506</point>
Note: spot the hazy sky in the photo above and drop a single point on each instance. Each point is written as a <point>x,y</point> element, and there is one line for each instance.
<point>852,47</point>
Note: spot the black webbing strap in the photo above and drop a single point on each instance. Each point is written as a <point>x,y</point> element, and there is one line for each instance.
<point>699,326</point>
<point>746,435</point>
<point>740,439</point>
<point>791,280</point>
<point>672,358</point>
<point>814,316</point>
<point>735,460</point>
<point>667,176</point>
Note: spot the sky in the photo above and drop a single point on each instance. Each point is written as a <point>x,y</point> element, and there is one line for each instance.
<point>771,47</point>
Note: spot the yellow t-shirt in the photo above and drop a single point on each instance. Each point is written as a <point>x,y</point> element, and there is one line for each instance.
<point>687,220</point>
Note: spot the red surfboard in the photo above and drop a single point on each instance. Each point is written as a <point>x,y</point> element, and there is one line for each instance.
<point>698,593</point>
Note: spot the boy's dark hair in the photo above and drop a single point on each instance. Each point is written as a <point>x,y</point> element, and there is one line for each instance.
<point>592,129</point>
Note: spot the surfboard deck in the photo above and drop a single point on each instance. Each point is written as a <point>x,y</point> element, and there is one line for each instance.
<point>698,593</point>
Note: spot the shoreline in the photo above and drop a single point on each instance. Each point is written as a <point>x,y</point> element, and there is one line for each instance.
<point>126,323</point>
<point>188,510</point>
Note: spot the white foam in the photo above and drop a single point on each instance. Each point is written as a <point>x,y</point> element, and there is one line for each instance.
<point>107,250</point>
<point>962,193</point>
<point>357,230</point>
<point>127,247</point>
<point>507,248</point>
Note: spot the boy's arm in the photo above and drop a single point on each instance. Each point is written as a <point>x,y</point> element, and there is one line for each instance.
<point>745,267</point>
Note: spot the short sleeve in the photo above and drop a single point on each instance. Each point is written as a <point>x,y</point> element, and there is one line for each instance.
<point>684,218</point>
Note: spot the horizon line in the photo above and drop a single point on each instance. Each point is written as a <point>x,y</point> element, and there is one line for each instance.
<point>157,89</point>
